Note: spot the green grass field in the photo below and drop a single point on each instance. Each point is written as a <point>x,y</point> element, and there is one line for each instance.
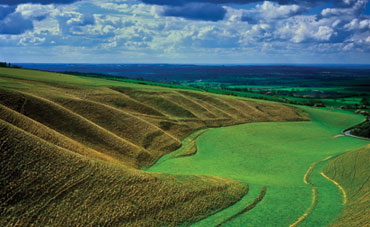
<point>340,96</point>
<point>275,155</point>
<point>73,151</point>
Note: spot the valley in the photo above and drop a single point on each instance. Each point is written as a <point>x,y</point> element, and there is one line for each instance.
<point>79,150</point>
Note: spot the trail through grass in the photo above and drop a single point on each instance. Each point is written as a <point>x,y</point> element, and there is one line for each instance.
<point>276,155</point>
<point>338,185</point>
<point>351,172</point>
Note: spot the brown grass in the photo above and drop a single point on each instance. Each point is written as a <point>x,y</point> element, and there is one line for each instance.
<point>42,184</point>
<point>351,171</point>
<point>70,153</point>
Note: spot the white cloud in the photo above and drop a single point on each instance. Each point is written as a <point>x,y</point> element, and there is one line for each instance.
<point>35,10</point>
<point>357,24</point>
<point>354,8</point>
<point>348,47</point>
<point>118,26</point>
<point>269,10</point>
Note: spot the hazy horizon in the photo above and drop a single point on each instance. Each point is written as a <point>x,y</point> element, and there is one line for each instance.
<point>198,64</point>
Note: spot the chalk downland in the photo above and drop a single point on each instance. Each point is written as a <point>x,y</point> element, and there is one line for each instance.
<point>71,149</point>
<point>351,172</point>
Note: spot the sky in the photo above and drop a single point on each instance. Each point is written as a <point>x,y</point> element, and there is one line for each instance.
<point>185,31</point>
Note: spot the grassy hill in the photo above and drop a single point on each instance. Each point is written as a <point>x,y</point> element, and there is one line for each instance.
<point>351,171</point>
<point>71,150</point>
<point>282,163</point>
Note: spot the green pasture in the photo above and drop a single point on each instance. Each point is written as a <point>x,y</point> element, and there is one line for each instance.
<point>255,86</point>
<point>293,88</point>
<point>275,155</point>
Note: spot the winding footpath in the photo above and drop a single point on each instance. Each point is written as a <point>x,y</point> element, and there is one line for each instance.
<point>315,190</point>
<point>338,185</point>
<point>315,193</point>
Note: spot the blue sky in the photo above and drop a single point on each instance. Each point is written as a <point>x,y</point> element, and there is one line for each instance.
<point>185,31</point>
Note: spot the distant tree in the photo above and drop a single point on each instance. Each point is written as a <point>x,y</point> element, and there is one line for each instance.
<point>362,130</point>
<point>363,112</point>
<point>365,101</point>
<point>319,104</point>
<point>309,103</point>
<point>349,106</point>
<point>9,65</point>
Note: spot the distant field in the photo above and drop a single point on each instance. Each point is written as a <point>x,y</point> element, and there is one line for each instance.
<point>275,155</point>
<point>329,86</point>
<point>72,148</point>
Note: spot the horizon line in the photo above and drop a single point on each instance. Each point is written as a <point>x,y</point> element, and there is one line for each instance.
<point>168,63</point>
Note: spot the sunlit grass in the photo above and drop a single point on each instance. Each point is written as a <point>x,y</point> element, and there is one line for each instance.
<point>71,149</point>
<point>276,155</point>
<point>351,171</point>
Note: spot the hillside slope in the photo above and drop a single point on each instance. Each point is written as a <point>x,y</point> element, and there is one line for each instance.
<point>351,171</point>
<point>74,145</point>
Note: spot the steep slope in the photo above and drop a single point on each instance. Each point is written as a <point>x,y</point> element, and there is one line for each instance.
<point>74,145</point>
<point>43,184</point>
<point>351,171</point>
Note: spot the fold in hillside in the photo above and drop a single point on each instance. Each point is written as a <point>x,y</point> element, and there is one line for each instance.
<point>351,172</point>
<point>44,184</point>
<point>71,153</point>
<point>112,122</point>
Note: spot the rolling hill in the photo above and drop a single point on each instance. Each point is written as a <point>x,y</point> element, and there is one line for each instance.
<point>351,171</point>
<point>72,150</point>
<point>282,163</point>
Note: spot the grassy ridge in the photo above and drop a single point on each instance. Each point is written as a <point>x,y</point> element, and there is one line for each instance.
<point>44,184</point>
<point>74,145</point>
<point>351,171</point>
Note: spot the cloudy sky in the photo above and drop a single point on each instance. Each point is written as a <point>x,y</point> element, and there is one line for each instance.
<point>185,31</point>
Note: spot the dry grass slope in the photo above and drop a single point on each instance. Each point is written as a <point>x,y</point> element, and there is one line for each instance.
<point>43,184</point>
<point>351,171</point>
<point>71,149</point>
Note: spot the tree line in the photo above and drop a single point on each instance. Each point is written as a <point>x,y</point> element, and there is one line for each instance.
<point>9,65</point>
